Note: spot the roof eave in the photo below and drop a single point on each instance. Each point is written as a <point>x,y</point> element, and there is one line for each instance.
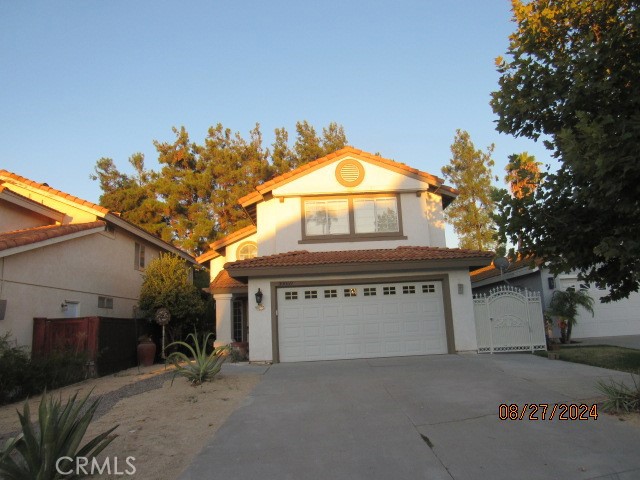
<point>242,273</point>
<point>50,241</point>
<point>139,232</point>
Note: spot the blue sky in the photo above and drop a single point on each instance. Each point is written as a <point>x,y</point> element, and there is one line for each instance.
<point>87,79</point>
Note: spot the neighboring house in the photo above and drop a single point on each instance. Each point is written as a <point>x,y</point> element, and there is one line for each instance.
<point>347,255</point>
<point>609,319</point>
<point>61,256</point>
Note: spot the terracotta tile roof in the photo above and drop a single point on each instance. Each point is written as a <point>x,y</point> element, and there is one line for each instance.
<point>19,238</point>
<point>399,254</point>
<point>223,280</point>
<point>46,188</point>
<point>491,271</point>
<point>277,181</point>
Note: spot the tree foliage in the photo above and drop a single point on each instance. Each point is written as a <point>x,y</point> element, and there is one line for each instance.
<point>193,199</point>
<point>564,305</point>
<point>469,171</point>
<point>166,284</point>
<point>572,78</point>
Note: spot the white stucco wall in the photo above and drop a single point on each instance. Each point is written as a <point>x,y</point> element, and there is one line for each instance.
<point>280,226</point>
<point>35,283</point>
<point>260,322</point>
<point>609,319</point>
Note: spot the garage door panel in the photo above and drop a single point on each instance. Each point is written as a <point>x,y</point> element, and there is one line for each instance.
<point>361,321</point>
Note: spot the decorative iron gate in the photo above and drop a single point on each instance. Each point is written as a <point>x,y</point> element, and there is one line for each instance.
<point>509,320</point>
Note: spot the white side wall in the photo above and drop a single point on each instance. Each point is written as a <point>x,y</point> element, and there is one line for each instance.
<point>260,326</point>
<point>609,319</point>
<point>35,283</point>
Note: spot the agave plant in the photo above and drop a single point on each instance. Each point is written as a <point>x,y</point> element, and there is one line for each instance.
<point>35,454</point>
<point>620,397</point>
<point>201,366</point>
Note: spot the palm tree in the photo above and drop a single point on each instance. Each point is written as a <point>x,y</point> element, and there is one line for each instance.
<point>564,305</point>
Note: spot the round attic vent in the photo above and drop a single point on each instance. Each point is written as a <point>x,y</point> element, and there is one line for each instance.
<point>350,173</point>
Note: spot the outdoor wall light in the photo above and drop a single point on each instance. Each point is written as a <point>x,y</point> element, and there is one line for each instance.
<point>259,297</point>
<point>552,283</point>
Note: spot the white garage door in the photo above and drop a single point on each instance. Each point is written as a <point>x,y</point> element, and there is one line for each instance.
<point>361,321</point>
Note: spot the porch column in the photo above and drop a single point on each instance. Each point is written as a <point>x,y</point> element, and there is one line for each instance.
<point>224,316</point>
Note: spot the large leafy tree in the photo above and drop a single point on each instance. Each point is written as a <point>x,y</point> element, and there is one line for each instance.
<point>469,171</point>
<point>193,200</point>
<point>572,78</point>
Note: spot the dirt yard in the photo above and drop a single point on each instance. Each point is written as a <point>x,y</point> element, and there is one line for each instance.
<point>162,426</point>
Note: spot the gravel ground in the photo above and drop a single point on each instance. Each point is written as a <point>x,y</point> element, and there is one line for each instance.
<point>108,400</point>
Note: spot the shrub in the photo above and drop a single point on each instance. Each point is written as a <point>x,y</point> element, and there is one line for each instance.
<point>14,370</point>
<point>21,376</point>
<point>201,367</point>
<point>620,397</point>
<point>34,454</point>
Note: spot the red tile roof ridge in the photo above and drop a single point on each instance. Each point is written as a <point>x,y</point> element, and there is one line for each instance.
<point>46,188</point>
<point>28,236</point>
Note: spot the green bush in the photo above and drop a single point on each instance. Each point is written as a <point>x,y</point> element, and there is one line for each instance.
<point>201,366</point>
<point>14,371</point>
<point>34,453</point>
<point>21,376</point>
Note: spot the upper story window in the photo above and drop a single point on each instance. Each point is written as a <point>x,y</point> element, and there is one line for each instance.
<point>247,250</point>
<point>139,257</point>
<point>365,216</point>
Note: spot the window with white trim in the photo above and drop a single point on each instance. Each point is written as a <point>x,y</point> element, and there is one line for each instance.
<point>247,250</point>
<point>375,215</point>
<point>105,302</point>
<point>139,257</point>
<point>326,217</point>
<point>351,217</point>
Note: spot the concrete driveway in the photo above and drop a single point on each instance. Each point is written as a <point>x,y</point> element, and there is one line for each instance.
<point>434,417</point>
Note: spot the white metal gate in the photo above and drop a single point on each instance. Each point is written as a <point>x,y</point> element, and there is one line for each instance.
<point>509,320</point>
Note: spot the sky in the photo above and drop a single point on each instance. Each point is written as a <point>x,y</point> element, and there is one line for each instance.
<point>81,80</point>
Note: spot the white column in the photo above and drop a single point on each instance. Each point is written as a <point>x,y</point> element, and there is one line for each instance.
<point>224,319</point>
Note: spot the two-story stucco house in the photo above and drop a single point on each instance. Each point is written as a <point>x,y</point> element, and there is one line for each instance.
<point>346,258</point>
<point>61,256</point>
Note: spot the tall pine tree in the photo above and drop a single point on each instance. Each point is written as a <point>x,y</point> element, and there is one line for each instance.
<point>469,171</point>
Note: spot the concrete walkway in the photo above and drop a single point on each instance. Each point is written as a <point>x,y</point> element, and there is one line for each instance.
<point>432,417</point>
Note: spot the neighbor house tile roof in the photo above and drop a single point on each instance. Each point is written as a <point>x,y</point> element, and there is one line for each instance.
<point>399,254</point>
<point>285,177</point>
<point>20,238</point>
<point>491,271</point>
<point>46,188</point>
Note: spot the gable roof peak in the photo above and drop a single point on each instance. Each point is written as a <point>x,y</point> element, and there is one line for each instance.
<point>259,192</point>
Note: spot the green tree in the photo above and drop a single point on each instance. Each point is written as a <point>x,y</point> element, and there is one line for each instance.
<point>564,305</point>
<point>572,78</point>
<point>308,145</point>
<point>469,171</point>
<point>193,200</point>
<point>166,284</point>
